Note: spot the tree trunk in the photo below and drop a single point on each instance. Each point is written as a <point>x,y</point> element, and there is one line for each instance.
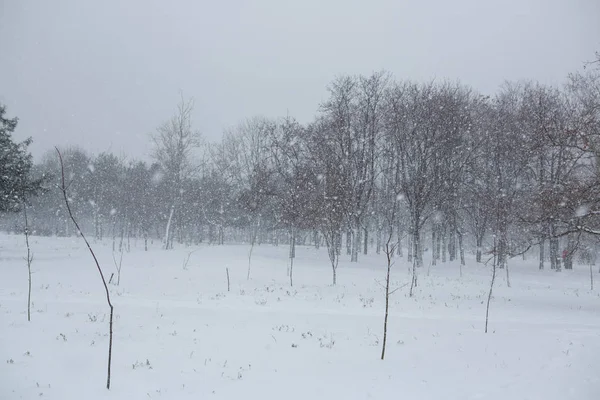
<point>399,245</point>
<point>452,243</point>
<point>438,245</point>
<point>502,242</point>
<point>355,242</point>
<point>542,242</point>
<point>334,244</point>
<point>417,260</point>
<point>410,246</point>
<point>253,235</point>
<point>570,252</point>
<point>553,253</point>
<point>418,250</point>
<point>433,243</point>
<point>122,238</point>
<point>29,259</point>
<point>365,241</point>
<point>479,244</point>
<point>334,276</point>
<point>168,229</point>
<point>487,308</point>
<point>444,245</point>
<point>348,242</point>
<point>292,254</point>
<point>97,225</point>
<point>554,249</point>
<point>211,234</point>
<point>389,253</point>
<point>461,249</point>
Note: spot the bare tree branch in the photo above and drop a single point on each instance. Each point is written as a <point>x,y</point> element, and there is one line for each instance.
<point>66,198</point>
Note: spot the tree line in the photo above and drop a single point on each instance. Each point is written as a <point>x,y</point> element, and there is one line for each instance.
<point>437,165</point>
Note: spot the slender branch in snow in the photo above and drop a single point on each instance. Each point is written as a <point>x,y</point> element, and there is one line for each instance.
<point>63,189</point>
<point>29,259</point>
<point>487,308</point>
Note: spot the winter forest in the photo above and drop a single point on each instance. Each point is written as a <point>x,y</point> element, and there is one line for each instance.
<point>447,224</point>
<point>435,166</point>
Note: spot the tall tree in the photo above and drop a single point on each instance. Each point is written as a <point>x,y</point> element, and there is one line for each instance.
<point>174,143</point>
<point>16,183</point>
<point>352,118</point>
<point>295,194</point>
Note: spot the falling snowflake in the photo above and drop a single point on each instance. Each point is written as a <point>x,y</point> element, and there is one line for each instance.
<point>582,211</point>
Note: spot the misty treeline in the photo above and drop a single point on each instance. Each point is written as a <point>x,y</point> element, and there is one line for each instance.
<point>497,175</point>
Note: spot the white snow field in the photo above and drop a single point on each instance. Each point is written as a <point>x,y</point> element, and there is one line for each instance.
<point>180,335</point>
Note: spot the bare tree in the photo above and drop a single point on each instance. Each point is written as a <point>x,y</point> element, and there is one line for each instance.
<point>296,195</point>
<point>430,150</point>
<point>174,142</point>
<point>28,259</point>
<point>352,122</point>
<point>63,189</point>
<point>332,200</point>
<point>118,265</point>
<point>331,229</point>
<point>370,95</point>
<point>389,253</point>
<point>390,175</point>
<point>489,298</point>
<point>247,144</point>
<point>220,181</point>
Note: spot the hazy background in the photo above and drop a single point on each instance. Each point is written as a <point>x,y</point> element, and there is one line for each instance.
<point>102,75</point>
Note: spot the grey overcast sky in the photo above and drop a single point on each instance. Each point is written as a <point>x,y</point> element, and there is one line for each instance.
<point>103,74</point>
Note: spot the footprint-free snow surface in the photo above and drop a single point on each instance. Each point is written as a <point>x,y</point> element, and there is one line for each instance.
<point>180,334</point>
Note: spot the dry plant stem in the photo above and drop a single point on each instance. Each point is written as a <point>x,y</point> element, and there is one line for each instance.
<point>117,267</point>
<point>227,271</point>
<point>187,260</point>
<point>250,260</point>
<point>63,188</point>
<point>252,242</point>
<point>413,282</point>
<point>29,260</point>
<point>291,272</point>
<point>292,255</point>
<point>487,308</point>
<point>388,252</point>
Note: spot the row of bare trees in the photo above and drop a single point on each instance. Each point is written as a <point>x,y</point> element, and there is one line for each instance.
<point>518,169</point>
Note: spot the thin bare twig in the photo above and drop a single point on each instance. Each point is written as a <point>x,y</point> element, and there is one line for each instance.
<point>187,259</point>
<point>118,266</point>
<point>487,308</point>
<point>389,251</point>
<point>29,259</point>
<point>227,271</point>
<point>398,288</point>
<point>63,189</point>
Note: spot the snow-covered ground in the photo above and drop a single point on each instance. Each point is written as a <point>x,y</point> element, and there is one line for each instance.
<point>179,334</point>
